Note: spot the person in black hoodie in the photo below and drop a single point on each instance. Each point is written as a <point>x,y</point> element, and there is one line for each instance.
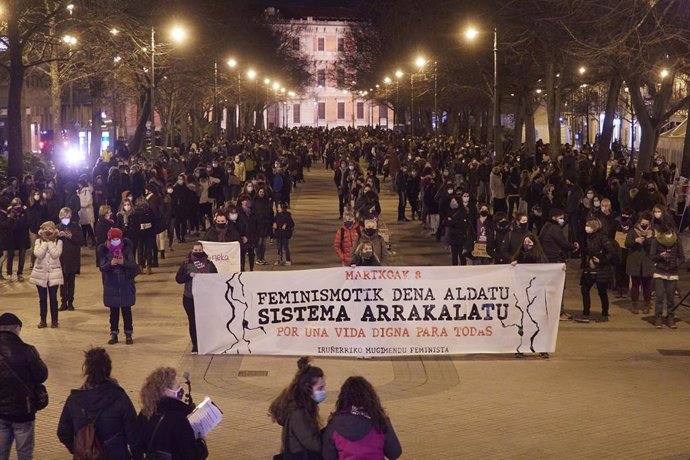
<point>72,240</point>
<point>283,227</point>
<point>263,209</point>
<point>22,362</point>
<point>196,262</point>
<point>143,223</point>
<point>162,424</point>
<point>18,237</point>
<point>359,427</point>
<point>246,223</point>
<point>457,234</point>
<point>104,402</point>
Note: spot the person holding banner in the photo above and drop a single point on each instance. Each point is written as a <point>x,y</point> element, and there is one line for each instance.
<point>296,409</point>
<point>371,234</point>
<point>359,427</point>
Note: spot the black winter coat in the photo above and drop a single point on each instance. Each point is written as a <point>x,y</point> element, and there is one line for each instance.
<point>511,243</point>
<point>284,219</point>
<point>18,235</point>
<point>263,209</point>
<point>183,202</point>
<point>37,215</point>
<point>458,228</point>
<point>246,223</point>
<point>4,230</point>
<point>114,415</point>
<point>16,405</point>
<point>554,243</point>
<point>118,280</point>
<point>174,435</point>
<point>638,262</point>
<point>606,251</point>
<point>102,227</point>
<point>230,234</point>
<point>70,259</point>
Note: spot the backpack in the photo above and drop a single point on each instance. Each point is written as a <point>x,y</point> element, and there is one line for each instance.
<point>86,445</point>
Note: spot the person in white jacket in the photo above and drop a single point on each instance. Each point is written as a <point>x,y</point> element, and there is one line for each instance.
<point>47,272</point>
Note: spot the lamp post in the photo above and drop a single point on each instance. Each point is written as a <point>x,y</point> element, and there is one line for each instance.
<point>232,63</point>
<point>398,76</point>
<point>70,41</point>
<point>420,62</point>
<point>251,74</point>
<point>216,115</point>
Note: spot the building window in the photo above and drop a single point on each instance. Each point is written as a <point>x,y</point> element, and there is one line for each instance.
<point>360,110</point>
<point>341,45</point>
<point>322,110</point>
<point>295,113</point>
<point>340,77</point>
<point>321,77</point>
<point>320,44</point>
<point>341,110</point>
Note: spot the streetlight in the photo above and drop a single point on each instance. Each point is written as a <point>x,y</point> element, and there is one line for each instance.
<point>178,34</point>
<point>420,62</point>
<point>664,73</point>
<point>114,31</point>
<point>232,63</point>
<point>251,74</point>
<point>582,70</point>
<point>70,8</point>
<point>470,34</point>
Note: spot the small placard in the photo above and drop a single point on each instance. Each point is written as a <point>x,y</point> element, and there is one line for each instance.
<point>620,238</point>
<point>480,250</point>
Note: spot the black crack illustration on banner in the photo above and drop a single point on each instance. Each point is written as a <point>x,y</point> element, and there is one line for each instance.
<point>235,294</point>
<point>520,325</point>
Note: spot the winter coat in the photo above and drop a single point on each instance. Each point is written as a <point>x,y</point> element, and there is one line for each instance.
<point>496,186</point>
<point>300,434</point>
<point>102,227</point>
<point>174,434</point>
<point>183,202</point>
<point>352,436</point>
<point>37,215</point>
<point>190,266</point>
<point>458,228</point>
<point>47,269</point>
<point>344,242</point>
<point>86,213</point>
<point>18,234</point>
<point>71,248</point>
<point>263,209</point>
<point>639,263</point>
<point>554,243</point>
<point>607,251</point>
<point>230,234</point>
<point>16,405</point>
<point>74,203</point>
<point>114,415</point>
<point>666,266</point>
<point>118,280</point>
<point>284,219</point>
<point>52,210</point>
<point>376,241</point>
<point>246,223</point>
<point>4,230</point>
<point>143,222</point>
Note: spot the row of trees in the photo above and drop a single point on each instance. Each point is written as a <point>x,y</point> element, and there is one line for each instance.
<point>542,45</point>
<point>103,48</point>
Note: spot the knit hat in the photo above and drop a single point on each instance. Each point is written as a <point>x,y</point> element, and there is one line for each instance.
<point>114,233</point>
<point>9,319</point>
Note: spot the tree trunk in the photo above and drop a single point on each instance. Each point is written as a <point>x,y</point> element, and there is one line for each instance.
<point>96,88</point>
<point>607,132</point>
<point>553,109</point>
<point>647,128</point>
<point>530,132</point>
<point>685,165</point>
<point>15,114</point>
<point>519,122</point>
<point>55,92</point>
<point>137,142</point>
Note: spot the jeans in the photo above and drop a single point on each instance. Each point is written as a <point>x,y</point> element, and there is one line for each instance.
<point>188,304</point>
<point>244,251</point>
<point>67,289</point>
<point>43,294</point>
<point>284,248</point>
<point>180,229</point>
<point>513,205</point>
<point>665,291</point>
<point>10,260</point>
<point>585,285</point>
<point>402,203</point>
<point>126,318</point>
<point>22,434</point>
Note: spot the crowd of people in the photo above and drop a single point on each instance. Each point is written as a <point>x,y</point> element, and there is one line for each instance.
<point>526,206</point>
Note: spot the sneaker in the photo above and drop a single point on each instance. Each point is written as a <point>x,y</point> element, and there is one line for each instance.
<point>261,262</point>
<point>287,262</point>
<point>54,325</point>
<point>20,278</point>
<point>671,322</point>
<point>582,319</point>
<point>658,322</point>
<point>565,317</point>
<point>42,325</point>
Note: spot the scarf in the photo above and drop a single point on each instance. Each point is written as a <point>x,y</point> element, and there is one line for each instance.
<point>116,251</point>
<point>667,241</point>
<point>199,263</point>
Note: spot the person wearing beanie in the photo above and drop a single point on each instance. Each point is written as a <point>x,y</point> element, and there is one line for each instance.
<point>601,255</point>
<point>47,272</point>
<point>346,237</point>
<point>20,367</point>
<point>119,269</point>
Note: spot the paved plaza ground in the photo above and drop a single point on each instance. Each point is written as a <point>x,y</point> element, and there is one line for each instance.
<point>612,390</point>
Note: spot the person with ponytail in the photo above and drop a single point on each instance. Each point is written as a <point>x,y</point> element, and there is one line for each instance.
<point>296,409</point>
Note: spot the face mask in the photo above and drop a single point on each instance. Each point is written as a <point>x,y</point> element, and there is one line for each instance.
<point>454,205</point>
<point>250,188</point>
<point>115,243</point>
<point>651,189</point>
<point>170,190</point>
<point>319,396</point>
<point>527,246</point>
<point>349,223</point>
<point>445,173</point>
<point>597,204</point>
<point>199,255</point>
<point>221,226</point>
<point>659,162</point>
<point>657,215</point>
<point>177,394</point>
<point>233,216</point>
<point>180,182</point>
<point>465,200</point>
<point>45,196</point>
<point>127,208</point>
<point>65,221</point>
<point>523,226</point>
<point>367,254</point>
<point>589,230</point>
<point>351,168</point>
<point>215,165</point>
<point>483,213</point>
<point>561,221</point>
<point>502,225</point>
<point>644,226</point>
<point>37,197</point>
<point>370,231</point>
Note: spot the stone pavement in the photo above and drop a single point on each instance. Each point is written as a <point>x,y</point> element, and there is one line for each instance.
<point>607,392</point>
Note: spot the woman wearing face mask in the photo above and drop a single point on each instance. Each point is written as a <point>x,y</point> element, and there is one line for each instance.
<point>296,409</point>
<point>513,238</point>
<point>483,237</point>
<point>47,272</point>
<point>105,222</point>
<point>601,254</point>
<point>364,256</point>
<point>119,291</point>
<point>263,208</point>
<point>246,224</point>
<point>501,229</point>
<point>224,228</point>
<point>661,218</point>
<point>667,253</point>
<point>86,214</point>
<point>197,262</point>
<point>162,424</point>
<point>182,204</point>
<point>639,265</point>
<point>371,234</point>
<point>457,234</point>
<point>283,228</point>
<point>359,427</point>
<point>346,238</point>
<point>530,252</point>
<point>36,214</point>
<point>72,240</point>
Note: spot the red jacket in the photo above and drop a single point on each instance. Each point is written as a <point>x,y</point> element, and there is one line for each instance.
<point>345,239</point>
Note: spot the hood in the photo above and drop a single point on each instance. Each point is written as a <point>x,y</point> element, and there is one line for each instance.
<point>351,427</point>
<point>97,398</point>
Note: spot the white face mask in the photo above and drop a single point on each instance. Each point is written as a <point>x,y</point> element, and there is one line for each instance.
<point>233,216</point>
<point>65,221</point>
<point>177,394</point>
<point>180,181</point>
<point>589,229</point>
<point>465,199</point>
<point>657,215</point>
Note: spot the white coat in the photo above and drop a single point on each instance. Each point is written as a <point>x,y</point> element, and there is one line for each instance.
<point>47,269</point>
<point>86,213</point>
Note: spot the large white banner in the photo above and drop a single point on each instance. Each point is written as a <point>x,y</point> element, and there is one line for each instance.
<point>381,311</point>
<point>225,256</point>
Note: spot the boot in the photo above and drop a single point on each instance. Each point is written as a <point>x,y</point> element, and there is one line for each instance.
<point>63,306</point>
<point>647,307</point>
<point>671,321</point>
<point>113,338</point>
<point>70,306</point>
<point>148,270</point>
<point>128,338</point>
<point>635,307</point>
<point>161,255</point>
<point>658,322</point>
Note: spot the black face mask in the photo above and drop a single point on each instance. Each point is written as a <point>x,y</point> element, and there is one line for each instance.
<point>524,227</point>
<point>503,225</point>
<point>483,213</point>
<point>222,226</point>
<point>199,255</point>
<point>370,231</point>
